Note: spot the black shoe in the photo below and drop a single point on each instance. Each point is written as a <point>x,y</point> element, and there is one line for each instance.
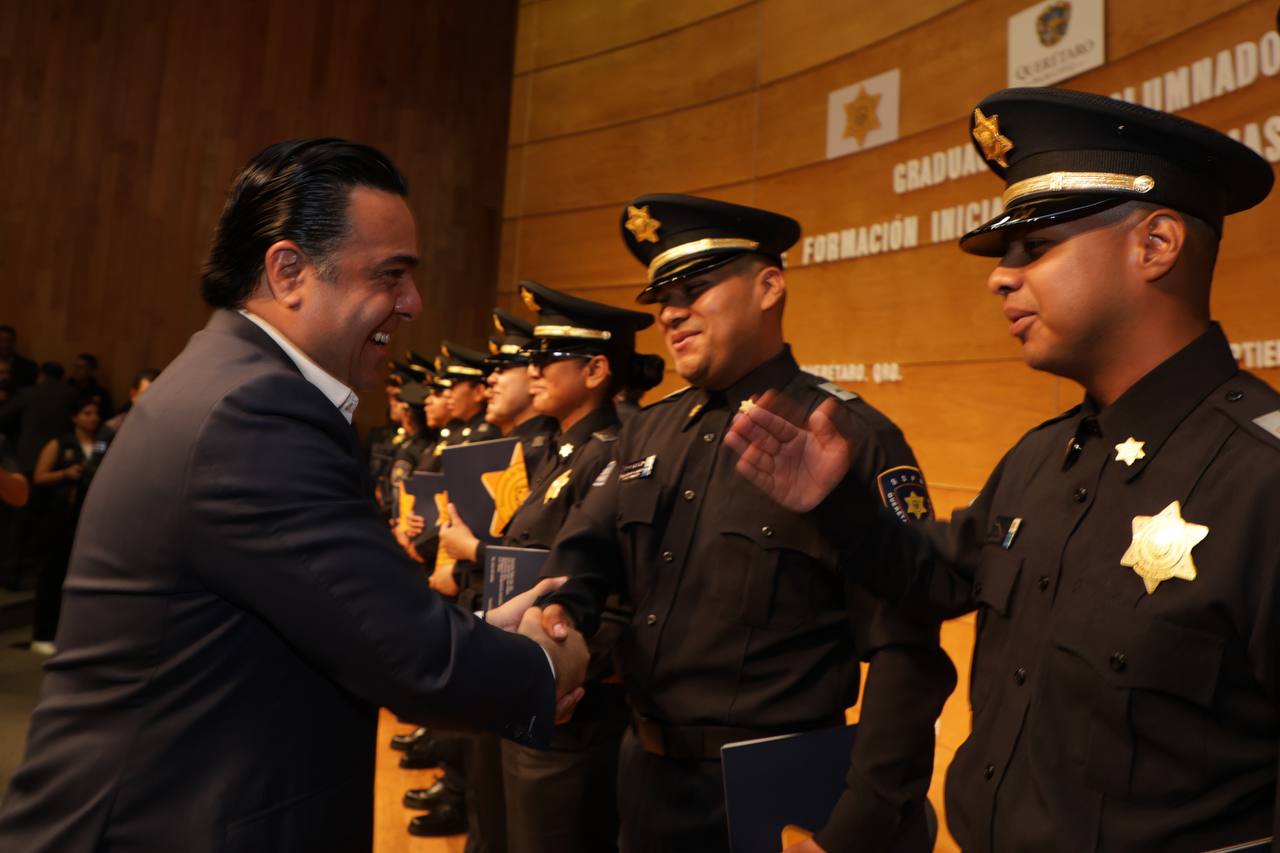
<point>447,790</point>
<point>423,755</point>
<point>446,819</point>
<point>404,743</point>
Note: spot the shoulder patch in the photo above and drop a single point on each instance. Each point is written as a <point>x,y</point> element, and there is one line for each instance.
<point>605,435</point>
<point>836,391</point>
<point>903,490</point>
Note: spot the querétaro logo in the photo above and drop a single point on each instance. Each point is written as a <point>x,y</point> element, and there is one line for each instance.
<point>1052,24</point>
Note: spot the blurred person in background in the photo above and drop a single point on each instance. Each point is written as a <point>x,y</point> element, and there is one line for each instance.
<point>22,370</point>
<point>84,378</point>
<point>141,382</point>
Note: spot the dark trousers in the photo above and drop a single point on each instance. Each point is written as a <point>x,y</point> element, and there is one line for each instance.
<point>668,805</point>
<point>486,808</point>
<point>564,800</point>
<point>49,585</point>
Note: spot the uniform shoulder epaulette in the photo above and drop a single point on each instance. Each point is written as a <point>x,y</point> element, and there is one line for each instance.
<point>674,395</point>
<point>610,434</point>
<point>1069,413</point>
<point>1253,404</point>
<point>844,395</point>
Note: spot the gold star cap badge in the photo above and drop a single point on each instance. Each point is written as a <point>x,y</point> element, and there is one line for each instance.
<point>529,301</point>
<point>641,225</point>
<point>987,132</point>
<point>1130,451</point>
<point>1161,547</point>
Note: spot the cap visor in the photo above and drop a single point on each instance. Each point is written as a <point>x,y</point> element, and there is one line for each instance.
<point>992,239</point>
<point>686,270</point>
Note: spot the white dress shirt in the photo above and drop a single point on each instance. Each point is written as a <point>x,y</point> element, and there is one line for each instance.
<point>337,391</point>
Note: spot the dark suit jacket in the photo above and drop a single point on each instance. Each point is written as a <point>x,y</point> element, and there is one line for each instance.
<point>235,613</point>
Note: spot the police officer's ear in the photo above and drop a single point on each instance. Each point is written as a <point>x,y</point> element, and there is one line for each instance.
<point>282,271</point>
<point>596,374</point>
<point>772,287</point>
<point>1162,236</point>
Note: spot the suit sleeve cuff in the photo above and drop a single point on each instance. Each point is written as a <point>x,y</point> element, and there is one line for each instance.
<point>861,821</point>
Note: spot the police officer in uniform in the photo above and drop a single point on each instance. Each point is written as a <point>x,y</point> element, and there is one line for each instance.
<point>1124,557</point>
<point>509,398</point>
<point>564,800</point>
<point>742,626</point>
<point>415,440</point>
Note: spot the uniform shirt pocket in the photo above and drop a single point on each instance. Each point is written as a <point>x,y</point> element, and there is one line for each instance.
<point>771,572</point>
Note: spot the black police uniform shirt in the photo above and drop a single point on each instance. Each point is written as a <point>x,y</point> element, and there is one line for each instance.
<point>741,617</point>
<point>403,462</point>
<point>1111,712</point>
<point>537,440</point>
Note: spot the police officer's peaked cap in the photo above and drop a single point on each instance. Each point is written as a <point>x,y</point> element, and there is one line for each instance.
<point>457,362</point>
<point>417,362</point>
<point>680,236</point>
<point>399,373</point>
<point>413,393</point>
<point>1065,154</point>
<point>573,321</point>
<point>513,339</point>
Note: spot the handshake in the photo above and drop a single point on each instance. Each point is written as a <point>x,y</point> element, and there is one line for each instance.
<point>554,631</point>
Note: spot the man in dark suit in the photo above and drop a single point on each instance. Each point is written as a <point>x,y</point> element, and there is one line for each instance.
<point>236,610</point>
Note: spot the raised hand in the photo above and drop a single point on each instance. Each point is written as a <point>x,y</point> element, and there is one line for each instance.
<point>797,466</point>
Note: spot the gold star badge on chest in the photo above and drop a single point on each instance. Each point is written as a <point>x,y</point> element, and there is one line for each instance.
<point>557,486</point>
<point>1161,547</point>
<point>986,130</point>
<point>1130,451</point>
<point>746,405</point>
<point>566,450</point>
<point>641,225</point>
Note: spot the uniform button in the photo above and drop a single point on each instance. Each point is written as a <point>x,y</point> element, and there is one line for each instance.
<point>689,494</point>
<point>767,530</point>
<point>1020,676</point>
<point>1119,661</point>
<point>708,437</point>
<point>1043,583</point>
<point>667,556</point>
<point>1080,495</point>
<point>651,619</point>
<point>1234,396</point>
<point>988,772</point>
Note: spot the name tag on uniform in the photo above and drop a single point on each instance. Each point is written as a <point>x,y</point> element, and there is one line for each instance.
<point>1003,531</point>
<point>638,470</point>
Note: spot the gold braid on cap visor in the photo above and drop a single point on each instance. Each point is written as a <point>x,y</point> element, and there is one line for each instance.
<point>571,332</point>
<point>1069,182</point>
<point>685,250</point>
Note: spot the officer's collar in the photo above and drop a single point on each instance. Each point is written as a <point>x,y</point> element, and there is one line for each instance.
<point>594,421</point>
<point>533,426</point>
<point>1157,403</point>
<point>774,373</point>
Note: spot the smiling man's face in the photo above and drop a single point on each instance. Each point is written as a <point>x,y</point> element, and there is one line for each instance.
<point>362,292</point>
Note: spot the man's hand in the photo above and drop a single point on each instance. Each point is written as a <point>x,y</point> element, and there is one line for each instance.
<point>797,466</point>
<point>456,537</point>
<point>568,656</point>
<point>508,616</point>
<point>557,622</point>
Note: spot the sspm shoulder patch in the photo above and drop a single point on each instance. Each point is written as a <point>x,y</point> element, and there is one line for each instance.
<point>903,490</point>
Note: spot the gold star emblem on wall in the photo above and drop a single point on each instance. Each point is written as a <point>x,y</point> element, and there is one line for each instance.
<point>861,116</point>
<point>915,505</point>
<point>508,488</point>
<point>1161,547</point>
<point>987,132</point>
<point>641,225</point>
<point>1130,451</point>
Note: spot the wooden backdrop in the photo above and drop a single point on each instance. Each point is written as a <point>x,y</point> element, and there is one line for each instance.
<point>728,98</point>
<point>123,122</point>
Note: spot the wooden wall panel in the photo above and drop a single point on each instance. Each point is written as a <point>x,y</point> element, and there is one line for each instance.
<point>125,122</point>
<point>695,148</point>
<point>796,35</point>
<point>656,76</point>
<point>572,29</point>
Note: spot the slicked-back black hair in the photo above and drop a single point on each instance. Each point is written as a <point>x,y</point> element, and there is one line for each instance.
<point>296,190</point>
